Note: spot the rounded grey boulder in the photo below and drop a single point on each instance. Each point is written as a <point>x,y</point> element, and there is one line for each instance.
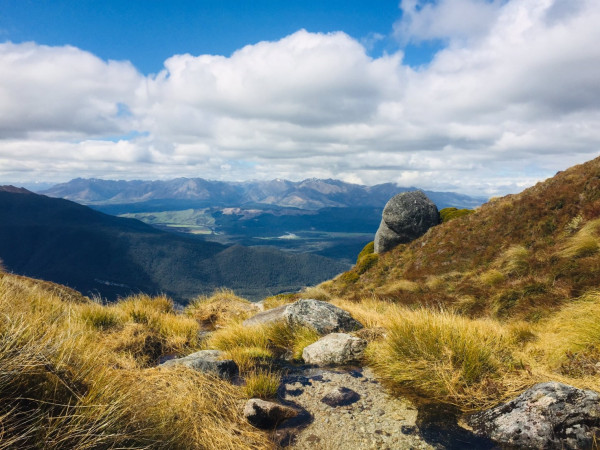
<point>549,415</point>
<point>405,217</point>
<point>334,349</point>
<point>321,316</point>
<point>207,361</point>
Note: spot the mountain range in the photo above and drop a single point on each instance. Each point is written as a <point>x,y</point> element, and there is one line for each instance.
<point>311,194</point>
<point>64,242</point>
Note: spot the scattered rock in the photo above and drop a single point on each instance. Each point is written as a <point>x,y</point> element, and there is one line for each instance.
<point>335,349</point>
<point>263,414</point>
<point>322,316</point>
<point>548,415</point>
<point>406,217</point>
<point>207,361</point>
<point>340,396</point>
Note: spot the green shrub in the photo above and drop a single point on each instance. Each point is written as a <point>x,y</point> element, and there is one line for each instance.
<point>349,277</point>
<point>366,262</point>
<point>448,214</point>
<point>368,249</point>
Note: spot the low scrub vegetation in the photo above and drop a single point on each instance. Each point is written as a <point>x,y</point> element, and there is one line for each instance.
<point>448,214</point>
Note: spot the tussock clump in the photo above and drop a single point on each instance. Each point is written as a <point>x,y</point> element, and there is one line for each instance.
<point>262,383</point>
<point>279,300</point>
<point>514,261</point>
<point>443,356</point>
<point>574,332</point>
<point>315,292</point>
<point>398,286</point>
<point>368,249</point>
<point>491,277</point>
<point>584,242</point>
<point>220,309</point>
<point>250,345</point>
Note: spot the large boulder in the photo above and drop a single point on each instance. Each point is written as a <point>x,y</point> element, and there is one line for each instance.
<point>264,414</point>
<point>406,217</point>
<point>207,361</point>
<point>334,349</point>
<point>322,316</point>
<point>549,415</point>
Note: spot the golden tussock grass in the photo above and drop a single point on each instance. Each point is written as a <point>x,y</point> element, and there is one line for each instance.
<point>249,346</point>
<point>262,383</point>
<point>513,261</point>
<point>570,340</point>
<point>398,286</point>
<point>61,388</point>
<point>440,355</point>
<point>583,243</point>
<point>220,309</point>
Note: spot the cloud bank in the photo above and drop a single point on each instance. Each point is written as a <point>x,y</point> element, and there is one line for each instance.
<point>512,97</point>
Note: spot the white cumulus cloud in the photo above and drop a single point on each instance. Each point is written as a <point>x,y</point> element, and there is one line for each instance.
<point>511,98</point>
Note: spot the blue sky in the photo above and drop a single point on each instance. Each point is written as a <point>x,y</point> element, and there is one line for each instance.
<point>147,32</point>
<point>476,96</point>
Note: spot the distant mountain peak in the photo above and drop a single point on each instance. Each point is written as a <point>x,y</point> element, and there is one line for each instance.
<point>14,190</point>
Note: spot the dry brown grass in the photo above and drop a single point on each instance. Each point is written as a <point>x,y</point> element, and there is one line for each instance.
<point>220,309</point>
<point>583,243</point>
<point>446,357</point>
<point>62,385</point>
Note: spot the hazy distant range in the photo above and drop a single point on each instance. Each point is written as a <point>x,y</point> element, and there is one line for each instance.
<point>325,217</point>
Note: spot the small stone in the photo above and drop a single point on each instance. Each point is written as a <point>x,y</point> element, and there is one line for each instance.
<point>340,396</point>
<point>263,414</point>
<point>335,349</point>
<point>208,361</point>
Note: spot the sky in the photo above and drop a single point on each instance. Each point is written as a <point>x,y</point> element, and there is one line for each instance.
<point>482,97</point>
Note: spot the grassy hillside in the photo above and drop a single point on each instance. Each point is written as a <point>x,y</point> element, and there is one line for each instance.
<point>472,313</point>
<point>62,241</point>
<point>487,304</point>
<point>520,256</point>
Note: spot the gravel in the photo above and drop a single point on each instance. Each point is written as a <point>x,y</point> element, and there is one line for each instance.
<point>375,421</point>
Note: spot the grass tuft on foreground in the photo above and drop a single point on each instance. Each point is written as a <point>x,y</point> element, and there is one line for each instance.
<point>78,375</point>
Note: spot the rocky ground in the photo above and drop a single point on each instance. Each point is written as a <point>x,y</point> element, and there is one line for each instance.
<point>374,420</point>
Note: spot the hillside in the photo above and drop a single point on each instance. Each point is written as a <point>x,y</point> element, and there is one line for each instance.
<point>473,313</point>
<point>323,217</point>
<point>518,256</point>
<point>187,193</point>
<point>95,253</point>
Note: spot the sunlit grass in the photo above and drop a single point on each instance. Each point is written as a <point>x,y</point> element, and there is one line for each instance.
<point>67,380</point>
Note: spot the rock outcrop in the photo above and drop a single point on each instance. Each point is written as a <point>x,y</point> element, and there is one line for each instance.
<point>334,349</point>
<point>207,361</point>
<point>322,316</point>
<point>406,217</point>
<point>264,414</point>
<point>549,415</point>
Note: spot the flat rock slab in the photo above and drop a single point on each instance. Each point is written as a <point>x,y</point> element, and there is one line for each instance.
<point>265,415</point>
<point>207,361</point>
<point>340,396</point>
<point>322,316</point>
<point>549,415</point>
<point>335,349</point>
